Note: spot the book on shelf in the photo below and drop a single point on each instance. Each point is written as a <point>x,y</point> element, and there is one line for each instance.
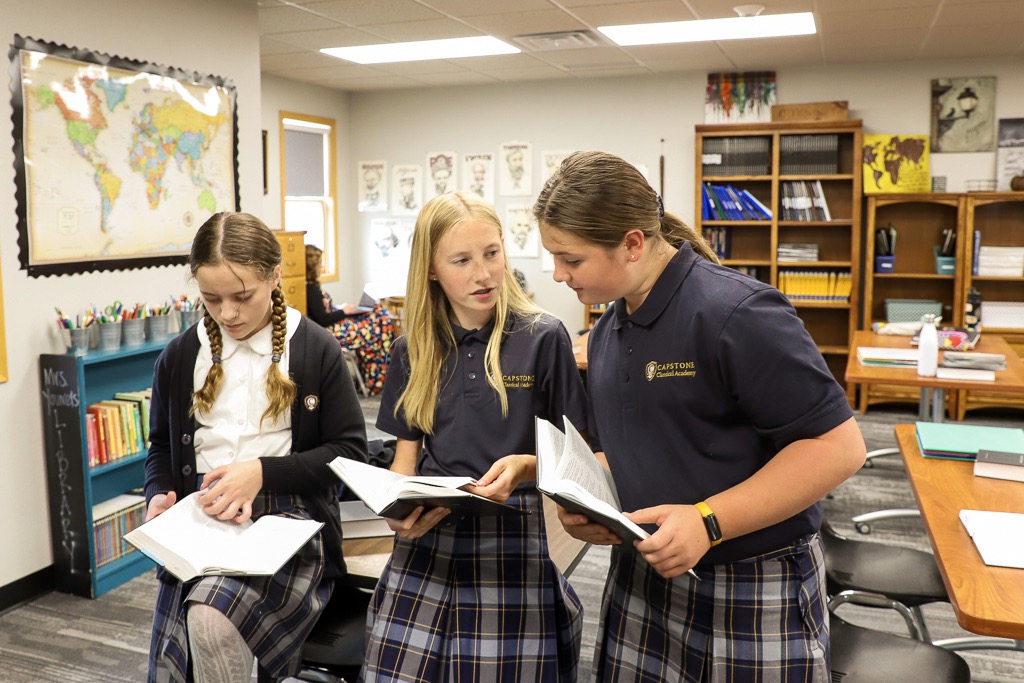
<point>359,521</point>
<point>788,252</point>
<point>816,286</point>
<point>393,495</point>
<point>569,473</point>
<point>999,465</point>
<point>111,520</point>
<point>996,536</point>
<point>726,203</point>
<point>816,154</point>
<point>804,200</point>
<point>736,156</point>
<point>188,543</point>
<point>962,442</point>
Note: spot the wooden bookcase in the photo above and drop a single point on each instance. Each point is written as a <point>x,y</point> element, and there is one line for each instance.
<point>999,217</point>
<point>769,160</point>
<point>919,220</point>
<point>591,313</point>
<point>69,385</point>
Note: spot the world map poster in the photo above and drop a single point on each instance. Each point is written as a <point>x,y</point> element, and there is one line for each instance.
<point>896,163</point>
<point>120,161</point>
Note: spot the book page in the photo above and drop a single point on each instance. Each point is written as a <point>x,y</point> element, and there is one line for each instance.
<point>578,464</point>
<point>379,487</point>
<point>268,544</point>
<point>997,536</point>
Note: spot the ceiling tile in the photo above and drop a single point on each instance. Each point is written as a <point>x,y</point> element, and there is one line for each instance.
<point>433,29</point>
<point>834,6</point>
<point>281,19</point>
<point>865,22</point>
<point>272,46</point>
<point>981,13</point>
<point>336,37</point>
<point>639,13</point>
<point>515,23</point>
<point>953,41</point>
<point>475,8</point>
<point>883,45</point>
<point>462,78</point>
<point>541,72</point>
<point>716,9</point>
<point>362,13</point>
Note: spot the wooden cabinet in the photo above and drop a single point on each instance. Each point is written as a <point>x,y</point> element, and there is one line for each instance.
<point>919,221</point>
<point>999,218</point>
<point>591,313</point>
<point>808,177</point>
<point>293,268</point>
<point>69,385</point>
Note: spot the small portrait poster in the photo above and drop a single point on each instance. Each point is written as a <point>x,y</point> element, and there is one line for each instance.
<point>373,186</point>
<point>522,238</point>
<point>515,159</point>
<point>745,97</point>
<point>442,167</point>
<point>478,175</point>
<point>963,114</point>
<point>390,254</point>
<point>552,160</point>
<point>1010,155</point>
<point>406,189</point>
<point>896,163</point>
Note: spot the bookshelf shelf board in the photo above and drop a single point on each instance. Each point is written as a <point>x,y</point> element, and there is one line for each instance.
<point>816,176</point>
<point>120,463</point>
<point>836,222</point>
<point>997,278</point>
<point>912,276</point>
<point>834,350</point>
<point>815,264</point>
<point>736,178</point>
<point>745,262</point>
<point>753,224</point>
<point>96,356</point>
<point>819,304</point>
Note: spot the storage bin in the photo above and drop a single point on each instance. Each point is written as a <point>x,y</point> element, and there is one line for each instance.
<point>133,331</point>
<point>885,264</point>
<point>110,336</point>
<point>156,327</point>
<point>944,265</point>
<point>911,310</point>
<point>1004,315</point>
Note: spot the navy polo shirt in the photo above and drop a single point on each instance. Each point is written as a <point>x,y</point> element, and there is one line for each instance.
<point>701,386</point>
<point>540,378</point>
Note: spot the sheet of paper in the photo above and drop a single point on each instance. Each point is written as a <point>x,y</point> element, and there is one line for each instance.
<point>999,536</point>
<point>966,374</point>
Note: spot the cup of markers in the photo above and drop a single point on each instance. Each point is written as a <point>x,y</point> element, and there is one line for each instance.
<point>190,311</point>
<point>157,321</point>
<point>133,325</point>
<point>75,335</point>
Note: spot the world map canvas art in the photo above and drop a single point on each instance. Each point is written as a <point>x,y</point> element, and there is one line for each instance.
<point>120,161</point>
<point>896,163</point>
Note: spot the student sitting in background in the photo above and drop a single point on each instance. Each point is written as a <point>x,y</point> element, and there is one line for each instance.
<point>369,334</point>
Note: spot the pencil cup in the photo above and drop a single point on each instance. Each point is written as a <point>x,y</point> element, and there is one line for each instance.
<point>190,318</point>
<point>133,331</point>
<point>110,336</point>
<point>77,341</point>
<point>885,264</point>
<point>156,327</point>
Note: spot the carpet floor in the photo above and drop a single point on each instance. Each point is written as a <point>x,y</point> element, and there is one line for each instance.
<point>62,638</point>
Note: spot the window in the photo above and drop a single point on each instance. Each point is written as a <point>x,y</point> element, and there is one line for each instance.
<point>308,182</point>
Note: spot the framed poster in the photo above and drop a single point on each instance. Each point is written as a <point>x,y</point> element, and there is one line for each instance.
<point>478,175</point>
<point>963,114</point>
<point>373,186</point>
<point>406,189</point>
<point>745,97</point>
<point>443,168</point>
<point>117,162</point>
<point>516,178</point>
<point>895,163</point>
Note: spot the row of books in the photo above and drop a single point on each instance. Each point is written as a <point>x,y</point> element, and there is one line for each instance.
<point>717,238</point>
<point>746,155</point>
<point>117,428</point>
<point>788,252</point>
<point>1000,261</point>
<point>804,200</point>
<point>809,154</point>
<point>112,519</point>
<point>726,203</point>
<point>819,285</point>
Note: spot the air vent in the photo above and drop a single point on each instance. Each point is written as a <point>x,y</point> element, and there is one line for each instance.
<point>557,40</point>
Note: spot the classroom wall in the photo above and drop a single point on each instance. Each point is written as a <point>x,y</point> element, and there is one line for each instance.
<point>631,116</point>
<point>209,37</point>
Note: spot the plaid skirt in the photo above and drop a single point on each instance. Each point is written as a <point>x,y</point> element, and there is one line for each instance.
<point>759,619</point>
<point>274,614</point>
<point>476,600</point>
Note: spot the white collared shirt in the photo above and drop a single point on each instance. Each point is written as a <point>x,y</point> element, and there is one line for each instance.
<point>231,431</point>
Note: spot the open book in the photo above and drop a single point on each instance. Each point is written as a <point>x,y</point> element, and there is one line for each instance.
<point>188,543</point>
<point>569,474</point>
<point>997,536</point>
<point>393,495</point>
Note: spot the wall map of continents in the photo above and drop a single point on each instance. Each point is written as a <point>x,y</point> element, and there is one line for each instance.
<point>119,163</point>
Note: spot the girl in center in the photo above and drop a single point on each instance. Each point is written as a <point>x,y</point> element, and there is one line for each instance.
<point>476,598</point>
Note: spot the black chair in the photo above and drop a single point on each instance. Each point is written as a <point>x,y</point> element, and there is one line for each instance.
<point>863,655</point>
<point>333,652</point>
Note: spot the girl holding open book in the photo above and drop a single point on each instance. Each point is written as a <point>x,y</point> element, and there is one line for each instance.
<point>477,598</point>
<point>723,428</point>
<point>248,407</point>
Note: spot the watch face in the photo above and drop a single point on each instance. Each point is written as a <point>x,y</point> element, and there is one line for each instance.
<point>711,524</point>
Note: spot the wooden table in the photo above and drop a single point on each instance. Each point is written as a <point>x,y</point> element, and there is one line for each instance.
<point>986,600</point>
<point>933,389</point>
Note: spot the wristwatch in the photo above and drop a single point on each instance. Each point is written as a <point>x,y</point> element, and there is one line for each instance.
<point>710,523</point>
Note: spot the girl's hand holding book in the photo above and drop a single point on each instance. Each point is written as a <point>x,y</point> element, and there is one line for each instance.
<point>505,475</point>
<point>419,522</point>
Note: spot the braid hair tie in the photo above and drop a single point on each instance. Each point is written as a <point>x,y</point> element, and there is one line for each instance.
<point>276,358</point>
<point>661,206</point>
<point>216,359</point>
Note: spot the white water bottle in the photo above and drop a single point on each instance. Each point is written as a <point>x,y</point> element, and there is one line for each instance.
<point>927,347</point>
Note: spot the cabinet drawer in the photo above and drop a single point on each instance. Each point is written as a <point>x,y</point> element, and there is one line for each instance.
<point>294,289</point>
<point>293,254</point>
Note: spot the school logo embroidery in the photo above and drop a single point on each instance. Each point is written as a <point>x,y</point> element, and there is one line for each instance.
<point>311,402</point>
<point>518,381</point>
<point>655,370</point>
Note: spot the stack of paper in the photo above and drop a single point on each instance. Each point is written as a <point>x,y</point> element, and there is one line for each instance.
<point>974,360</point>
<point>873,355</point>
<point>997,535</point>
<point>962,442</point>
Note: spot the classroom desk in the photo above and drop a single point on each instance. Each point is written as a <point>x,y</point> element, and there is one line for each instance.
<point>986,600</point>
<point>933,389</point>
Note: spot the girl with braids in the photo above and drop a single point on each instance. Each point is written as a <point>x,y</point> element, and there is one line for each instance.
<point>368,333</point>
<point>478,598</point>
<point>248,407</point>
<point>722,427</point>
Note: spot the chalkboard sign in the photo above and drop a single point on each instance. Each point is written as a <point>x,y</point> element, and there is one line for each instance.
<point>63,438</point>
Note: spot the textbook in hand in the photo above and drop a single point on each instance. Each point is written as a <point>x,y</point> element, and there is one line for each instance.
<point>569,474</point>
<point>188,543</point>
<point>393,495</point>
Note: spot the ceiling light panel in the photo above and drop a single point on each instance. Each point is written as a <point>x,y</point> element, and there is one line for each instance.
<point>736,28</point>
<point>448,48</point>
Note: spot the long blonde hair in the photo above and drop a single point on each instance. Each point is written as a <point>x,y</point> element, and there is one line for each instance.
<point>243,240</point>
<point>428,330</point>
<point>599,197</point>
